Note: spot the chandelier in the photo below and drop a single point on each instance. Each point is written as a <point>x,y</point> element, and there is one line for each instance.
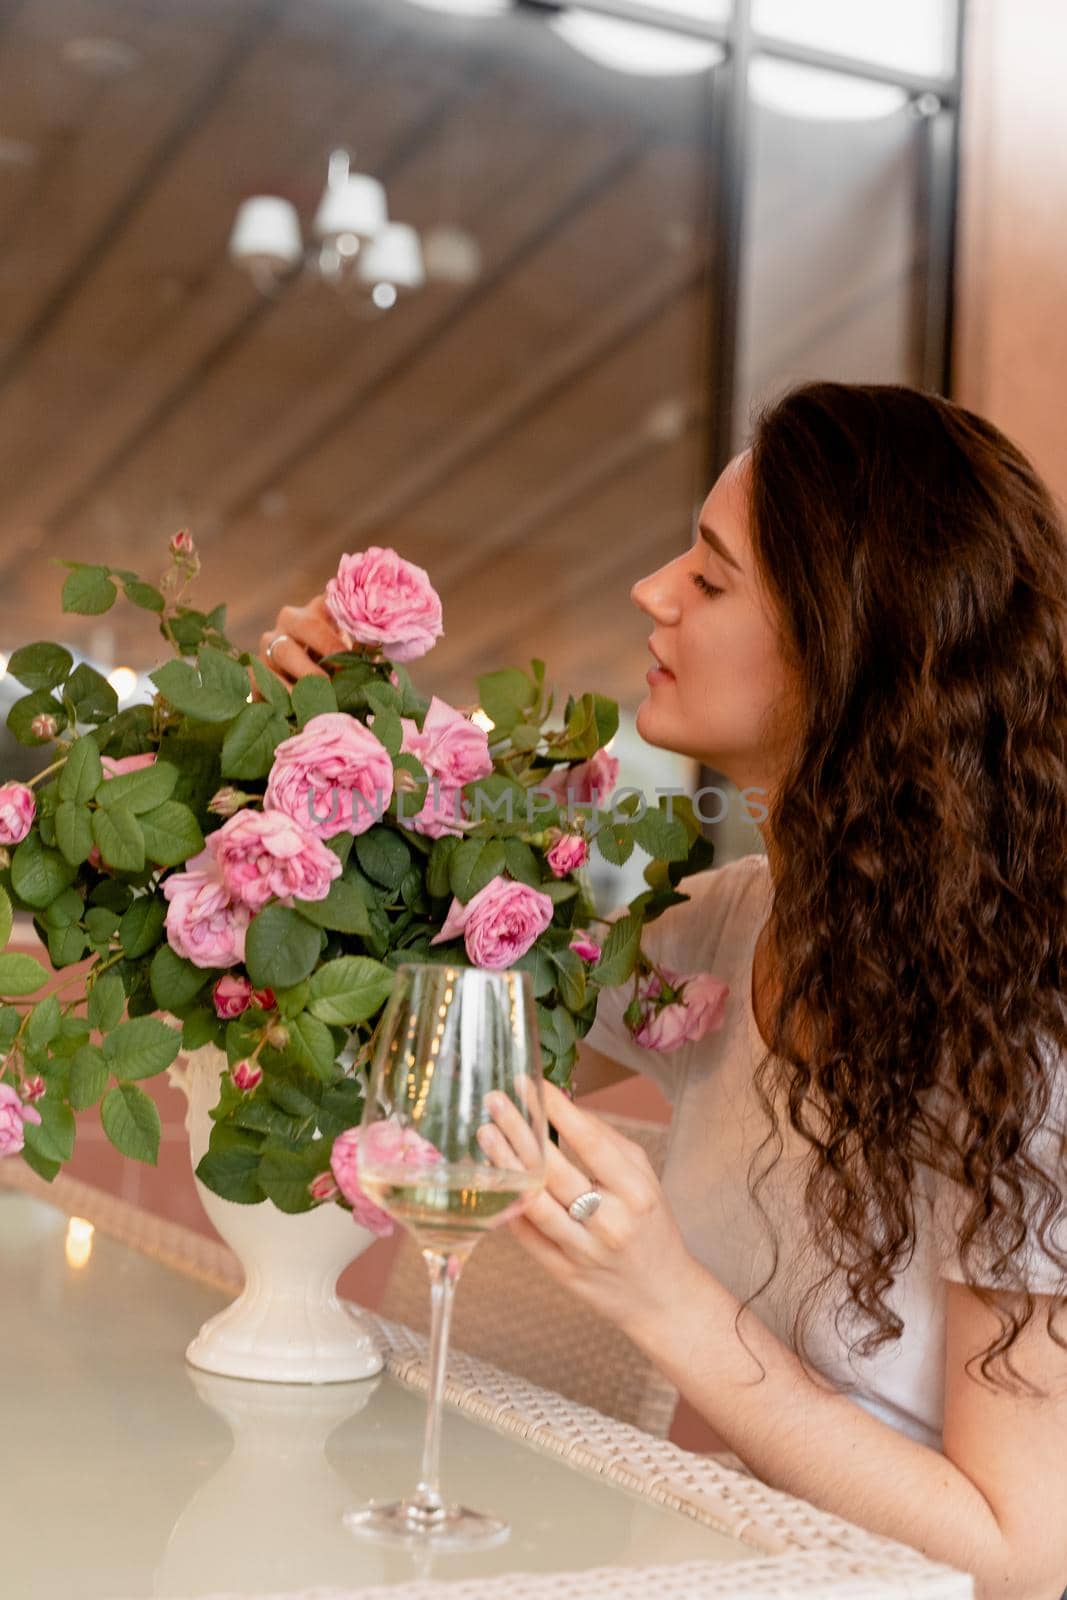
<point>355,246</point>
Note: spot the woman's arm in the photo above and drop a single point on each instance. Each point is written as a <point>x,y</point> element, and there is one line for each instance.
<point>991,1505</point>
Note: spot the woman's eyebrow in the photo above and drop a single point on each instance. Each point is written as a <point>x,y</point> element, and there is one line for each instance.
<point>711,538</point>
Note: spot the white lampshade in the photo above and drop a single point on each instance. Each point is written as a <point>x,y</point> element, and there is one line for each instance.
<point>355,205</point>
<point>395,257</point>
<point>267,229</point>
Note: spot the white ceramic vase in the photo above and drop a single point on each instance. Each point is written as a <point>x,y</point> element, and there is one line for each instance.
<point>288,1324</point>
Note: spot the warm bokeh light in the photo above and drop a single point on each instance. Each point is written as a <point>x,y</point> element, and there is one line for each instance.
<point>79,1243</point>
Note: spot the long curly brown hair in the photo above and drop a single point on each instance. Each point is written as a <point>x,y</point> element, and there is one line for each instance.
<point>918,567</point>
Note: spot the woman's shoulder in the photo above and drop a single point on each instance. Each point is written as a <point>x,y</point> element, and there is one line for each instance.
<point>721,902</point>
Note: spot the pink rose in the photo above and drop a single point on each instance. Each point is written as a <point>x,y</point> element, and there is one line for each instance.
<point>499,923</point>
<point>378,598</point>
<point>700,1009</point>
<point>247,1076</point>
<point>590,782</point>
<point>454,751</point>
<point>263,855</point>
<point>204,924</point>
<point>567,854</point>
<point>231,994</point>
<point>115,766</point>
<point>13,1118</point>
<point>382,1146</point>
<point>17,811</point>
<point>584,946</point>
<point>334,776</point>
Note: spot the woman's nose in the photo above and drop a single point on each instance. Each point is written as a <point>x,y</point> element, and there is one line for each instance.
<point>653,595</point>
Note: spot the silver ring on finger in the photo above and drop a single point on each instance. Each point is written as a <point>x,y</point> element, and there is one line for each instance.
<point>274,643</point>
<point>585,1206</point>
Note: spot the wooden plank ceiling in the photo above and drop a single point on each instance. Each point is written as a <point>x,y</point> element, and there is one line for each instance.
<point>536,439</point>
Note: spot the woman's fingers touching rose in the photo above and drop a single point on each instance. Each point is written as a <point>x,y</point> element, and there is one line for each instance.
<point>309,635</point>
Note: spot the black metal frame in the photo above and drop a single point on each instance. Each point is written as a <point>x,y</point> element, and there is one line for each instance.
<point>936,100</point>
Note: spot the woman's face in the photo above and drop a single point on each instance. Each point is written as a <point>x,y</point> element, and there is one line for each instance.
<point>725,683</point>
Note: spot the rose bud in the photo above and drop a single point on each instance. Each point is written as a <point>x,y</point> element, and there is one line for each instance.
<point>584,946</point>
<point>33,1088</point>
<point>181,544</point>
<point>567,854</point>
<point>226,802</point>
<point>43,725</point>
<point>264,998</point>
<point>323,1187</point>
<point>231,994</point>
<point>277,1036</point>
<point>247,1076</point>
<point>17,811</point>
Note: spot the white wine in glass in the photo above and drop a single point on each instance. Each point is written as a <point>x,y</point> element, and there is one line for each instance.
<point>449,1038</point>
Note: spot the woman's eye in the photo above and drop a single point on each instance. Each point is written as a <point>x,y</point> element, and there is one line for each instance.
<point>703,584</point>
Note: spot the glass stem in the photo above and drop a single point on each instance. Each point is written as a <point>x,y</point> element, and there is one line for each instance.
<point>444,1272</point>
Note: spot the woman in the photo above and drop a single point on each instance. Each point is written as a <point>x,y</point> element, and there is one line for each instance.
<point>870,629</point>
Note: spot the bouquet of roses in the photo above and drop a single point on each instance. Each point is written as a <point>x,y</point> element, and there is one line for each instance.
<point>252,862</point>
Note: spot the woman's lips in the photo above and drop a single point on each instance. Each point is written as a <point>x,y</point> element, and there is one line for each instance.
<point>658,674</point>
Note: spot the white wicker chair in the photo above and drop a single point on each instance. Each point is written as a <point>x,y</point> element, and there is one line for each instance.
<point>510,1312</point>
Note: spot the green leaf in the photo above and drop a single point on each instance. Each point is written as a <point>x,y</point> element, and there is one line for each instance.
<point>102,924</point>
<point>88,1077</point>
<point>572,978</point>
<point>66,945</point>
<point>271,688</point>
<point>201,1026</point>
<point>556,1028</point>
<point>74,831</point>
<point>505,696</point>
<point>118,835</point>
<point>89,591</point>
<point>20,974</point>
<point>10,1021</point>
<point>67,907</point>
<point>7,917</point>
<point>215,690</point>
<point>142,790</point>
<point>475,863</point>
<point>230,1168</point>
<point>521,862</point>
<point>438,881</point>
<point>383,855</point>
<point>349,990</point>
<point>615,841</point>
<point>22,713</point>
<point>93,698</point>
<point>311,696</point>
<point>40,666</point>
<point>387,729</point>
<point>281,947</point>
<point>171,834</point>
<point>82,772</point>
<point>311,1044</point>
<point>43,1023</point>
<point>665,839</point>
<point>39,1164</point>
<point>618,952</point>
<point>141,927</point>
<point>249,746</point>
<point>54,1138</point>
<point>344,909</point>
<point>539,964</point>
<point>39,873</point>
<point>145,595</point>
<point>175,982</point>
<point>141,1048</point>
<point>107,1001</point>
<point>131,1122</point>
<point>286,1170</point>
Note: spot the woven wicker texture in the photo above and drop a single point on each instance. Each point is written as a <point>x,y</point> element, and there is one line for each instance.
<point>510,1312</point>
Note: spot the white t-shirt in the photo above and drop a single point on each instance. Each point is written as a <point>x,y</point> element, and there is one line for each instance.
<point>718,1123</point>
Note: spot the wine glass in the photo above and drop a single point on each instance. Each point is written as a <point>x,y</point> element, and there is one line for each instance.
<point>449,1037</point>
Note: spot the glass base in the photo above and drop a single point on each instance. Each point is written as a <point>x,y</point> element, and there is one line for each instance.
<point>448,1528</point>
